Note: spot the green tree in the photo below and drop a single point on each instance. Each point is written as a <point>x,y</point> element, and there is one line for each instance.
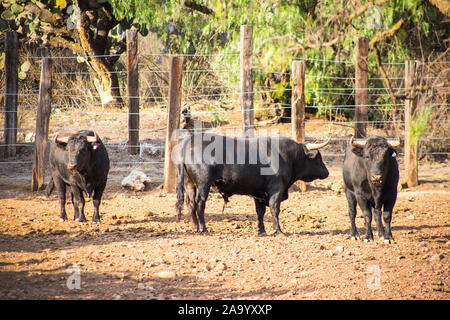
<point>85,27</point>
<point>321,30</point>
<point>287,29</point>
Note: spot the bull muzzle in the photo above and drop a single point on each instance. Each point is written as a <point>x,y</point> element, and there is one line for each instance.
<point>71,166</point>
<point>376,179</point>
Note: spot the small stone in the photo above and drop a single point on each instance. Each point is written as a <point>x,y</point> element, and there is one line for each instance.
<point>400,257</point>
<point>339,249</point>
<point>136,181</point>
<point>331,253</point>
<point>120,275</point>
<point>221,266</point>
<point>143,286</point>
<point>437,257</point>
<point>213,260</point>
<point>166,274</point>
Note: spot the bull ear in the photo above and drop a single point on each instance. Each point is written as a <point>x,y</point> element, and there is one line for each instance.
<point>310,153</point>
<point>62,138</point>
<point>357,147</point>
<point>59,143</point>
<point>358,151</point>
<point>393,152</point>
<point>94,140</point>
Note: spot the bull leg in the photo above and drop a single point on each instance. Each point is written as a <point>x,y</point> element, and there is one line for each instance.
<point>351,199</point>
<point>367,212</point>
<point>96,200</point>
<point>61,187</point>
<point>75,208</point>
<point>387,217</point>
<point>191,205</point>
<point>274,204</point>
<point>78,203</point>
<point>260,211</point>
<point>380,228</point>
<point>202,196</point>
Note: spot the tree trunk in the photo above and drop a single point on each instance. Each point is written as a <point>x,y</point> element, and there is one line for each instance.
<point>106,81</point>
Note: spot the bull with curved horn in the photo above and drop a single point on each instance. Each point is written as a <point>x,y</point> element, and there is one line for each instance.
<point>79,160</point>
<point>371,177</point>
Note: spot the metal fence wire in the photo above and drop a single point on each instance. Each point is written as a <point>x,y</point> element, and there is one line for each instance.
<point>207,98</point>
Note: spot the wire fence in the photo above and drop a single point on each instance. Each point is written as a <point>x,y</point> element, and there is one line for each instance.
<point>215,103</point>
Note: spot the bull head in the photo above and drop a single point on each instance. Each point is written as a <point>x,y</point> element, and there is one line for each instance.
<point>376,153</point>
<point>77,146</point>
<point>362,143</point>
<point>63,138</point>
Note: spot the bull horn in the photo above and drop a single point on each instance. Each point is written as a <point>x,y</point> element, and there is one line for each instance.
<point>63,137</point>
<point>316,146</point>
<point>359,144</point>
<point>92,139</point>
<point>394,143</point>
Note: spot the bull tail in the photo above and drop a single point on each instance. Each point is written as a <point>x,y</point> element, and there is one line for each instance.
<point>225,201</point>
<point>180,191</point>
<point>180,184</point>
<point>50,187</point>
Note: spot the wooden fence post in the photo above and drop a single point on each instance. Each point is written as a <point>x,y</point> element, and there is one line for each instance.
<point>361,118</point>
<point>133,91</point>
<point>411,147</point>
<point>173,121</point>
<point>11,90</point>
<point>298,101</point>
<point>42,123</point>
<point>298,106</point>
<point>248,113</point>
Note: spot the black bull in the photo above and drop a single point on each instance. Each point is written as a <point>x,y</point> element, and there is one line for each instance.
<point>370,178</point>
<point>237,166</point>
<point>78,159</point>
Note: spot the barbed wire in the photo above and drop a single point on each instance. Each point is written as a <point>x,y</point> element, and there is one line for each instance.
<point>108,132</point>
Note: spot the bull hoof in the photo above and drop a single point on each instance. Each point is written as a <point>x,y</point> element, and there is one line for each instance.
<point>354,236</point>
<point>368,239</point>
<point>387,240</point>
<point>262,234</point>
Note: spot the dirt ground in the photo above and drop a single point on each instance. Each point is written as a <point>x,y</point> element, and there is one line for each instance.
<point>139,251</point>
